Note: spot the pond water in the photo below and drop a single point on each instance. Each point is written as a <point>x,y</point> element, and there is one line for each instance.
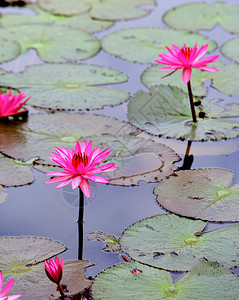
<point>41,210</point>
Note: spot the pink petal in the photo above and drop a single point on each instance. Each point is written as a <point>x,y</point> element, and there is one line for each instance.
<point>14,297</point>
<point>85,187</point>
<point>201,52</point>
<point>209,69</point>
<point>7,287</point>
<point>186,74</point>
<point>206,60</point>
<point>63,184</point>
<point>75,182</point>
<point>1,281</point>
<point>104,168</point>
<point>95,178</point>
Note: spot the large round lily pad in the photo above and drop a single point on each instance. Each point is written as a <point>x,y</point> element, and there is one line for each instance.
<point>177,244</point>
<point>138,158</point>
<point>83,22</point>
<point>133,281</point>
<point>14,172</point>
<point>105,10</point>
<point>204,194</point>
<point>53,43</point>
<point>143,45</point>
<point>165,111</point>
<point>66,86</point>
<point>22,259</point>
<point>231,49</point>
<point>205,16</point>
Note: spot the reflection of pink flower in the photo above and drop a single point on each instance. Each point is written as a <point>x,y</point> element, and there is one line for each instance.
<point>6,289</point>
<point>11,104</point>
<point>80,166</point>
<point>54,269</point>
<point>186,59</point>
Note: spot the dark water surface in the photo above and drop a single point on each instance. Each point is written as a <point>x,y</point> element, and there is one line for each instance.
<point>41,210</point>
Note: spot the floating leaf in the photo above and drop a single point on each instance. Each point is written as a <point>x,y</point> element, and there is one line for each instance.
<point>177,244</point>
<point>205,16</point>
<point>14,172</point>
<point>204,281</point>
<point>165,111</point>
<point>53,43</point>
<point>106,10</point>
<point>66,8</point>
<point>8,50</point>
<point>84,21</point>
<point>143,45</point>
<point>121,10</point>
<point>153,76</point>
<point>111,243</point>
<point>231,49</point>
<point>226,80</point>
<point>22,259</point>
<point>65,86</point>
<point>3,195</point>
<point>43,132</point>
<point>204,194</point>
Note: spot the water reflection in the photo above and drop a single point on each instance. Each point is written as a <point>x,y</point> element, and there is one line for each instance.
<point>188,159</point>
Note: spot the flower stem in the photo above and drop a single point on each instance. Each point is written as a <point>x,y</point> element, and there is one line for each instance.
<point>190,94</point>
<point>61,290</point>
<point>80,223</point>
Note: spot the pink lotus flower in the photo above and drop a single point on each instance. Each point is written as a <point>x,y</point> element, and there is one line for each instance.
<point>6,289</point>
<point>80,166</point>
<point>11,104</point>
<point>54,269</point>
<point>186,59</point>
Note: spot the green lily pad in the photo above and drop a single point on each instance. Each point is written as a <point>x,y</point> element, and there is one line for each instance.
<point>133,281</point>
<point>138,158</point>
<point>106,10</point>
<point>151,42</point>
<point>22,259</point>
<point>3,194</point>
<point>66,8</point>
<point>8,50</point>
<point>121,10</point>
<point>231,49</point>
<point>14,172</point>
<point>205,16</point>
<point>165,111</point>
<point>178,244</point>
<point>153,76</point>
<point>205,194</point>
<point>111,243</point>
<point>53,43</point>
<point>83,22</point>
<point>66,86</point>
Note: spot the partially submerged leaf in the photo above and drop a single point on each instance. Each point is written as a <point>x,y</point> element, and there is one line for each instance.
<point>69,87</point>
<point>204,281</point>
<point>3,194</point>
<point>205,194</point>
<point>138,158</point>
<point>165,111</point>
<point>53,43</point>
<point>111,243</point>
<point>14,172</point>
<point>83,22</point>
<point>177,244</point>
<point>143,45</point>
<point>205,16</point>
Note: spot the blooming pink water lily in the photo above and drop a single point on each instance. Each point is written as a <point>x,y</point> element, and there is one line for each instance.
<point>11,104</point>
<point>6,289</point>
<point>54,269</point>
<point>186,59</point>
<point>80,166</point>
